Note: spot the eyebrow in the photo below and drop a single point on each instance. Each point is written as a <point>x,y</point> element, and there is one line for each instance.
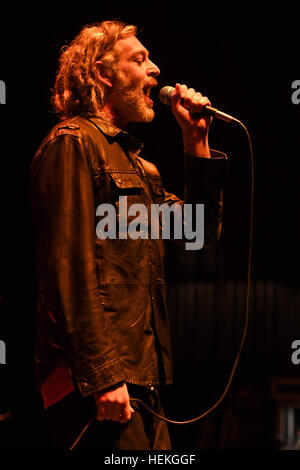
<point>143,52</point>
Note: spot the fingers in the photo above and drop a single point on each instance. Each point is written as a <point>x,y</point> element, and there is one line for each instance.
<point>189,99</point>
<point>120,412</point>
<point>101,411</point>
<point>198,102</point>
<point>114,411</point>
<point>126,414</point>
<point>114,405</point>
<point>176,97</point>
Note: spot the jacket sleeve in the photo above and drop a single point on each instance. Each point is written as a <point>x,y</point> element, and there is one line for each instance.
<point>64,216</point>
<point>204,180</point>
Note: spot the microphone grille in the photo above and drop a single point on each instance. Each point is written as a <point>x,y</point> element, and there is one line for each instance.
<point>165,94</point>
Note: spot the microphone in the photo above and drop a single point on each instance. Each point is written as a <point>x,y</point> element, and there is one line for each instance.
<point>165,96</point>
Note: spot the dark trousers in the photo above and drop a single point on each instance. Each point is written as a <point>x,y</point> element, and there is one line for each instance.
<point>144,431</point>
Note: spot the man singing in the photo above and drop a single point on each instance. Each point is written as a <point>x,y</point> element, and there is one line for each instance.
<point>102,323</point>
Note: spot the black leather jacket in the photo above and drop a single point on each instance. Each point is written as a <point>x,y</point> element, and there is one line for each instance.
<point>102,303</point>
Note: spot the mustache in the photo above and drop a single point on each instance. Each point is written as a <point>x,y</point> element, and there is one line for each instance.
<point>151,83</point>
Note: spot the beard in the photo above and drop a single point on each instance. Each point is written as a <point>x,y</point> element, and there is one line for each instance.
<point>131,104</point>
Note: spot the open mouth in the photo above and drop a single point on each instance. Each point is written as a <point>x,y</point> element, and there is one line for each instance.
<point>146,91</point>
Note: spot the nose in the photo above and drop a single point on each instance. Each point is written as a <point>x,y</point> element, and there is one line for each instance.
<point>153,70</point>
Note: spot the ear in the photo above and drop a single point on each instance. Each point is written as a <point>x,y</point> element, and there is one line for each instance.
<point>102,74</point>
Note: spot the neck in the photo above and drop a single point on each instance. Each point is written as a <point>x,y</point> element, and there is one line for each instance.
<point>108,113</point>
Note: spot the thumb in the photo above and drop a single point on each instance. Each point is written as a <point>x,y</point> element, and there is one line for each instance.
<point>176,96</point>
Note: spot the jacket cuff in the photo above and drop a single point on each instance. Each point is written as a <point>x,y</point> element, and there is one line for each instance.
<point>99,378</point>
<point>205,173</point>
<point>215,154</point>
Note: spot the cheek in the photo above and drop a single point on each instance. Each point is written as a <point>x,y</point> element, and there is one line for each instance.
<point>133,74</point>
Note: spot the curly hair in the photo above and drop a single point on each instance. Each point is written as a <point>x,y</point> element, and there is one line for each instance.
<point>77,89</point>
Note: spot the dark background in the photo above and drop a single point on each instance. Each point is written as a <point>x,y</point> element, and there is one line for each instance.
<point>245,61</point>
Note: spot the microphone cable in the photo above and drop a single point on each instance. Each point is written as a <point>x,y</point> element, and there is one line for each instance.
<point>246,321</point>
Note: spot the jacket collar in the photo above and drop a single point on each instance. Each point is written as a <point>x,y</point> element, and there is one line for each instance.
<point>114,133</point>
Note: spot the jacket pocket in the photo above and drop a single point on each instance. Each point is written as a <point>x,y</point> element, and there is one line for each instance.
<point>157,190</point>
<point>129,201</point>
<point>126,183</point>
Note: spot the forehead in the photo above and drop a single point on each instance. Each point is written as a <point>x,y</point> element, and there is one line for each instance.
<point>129,46</point>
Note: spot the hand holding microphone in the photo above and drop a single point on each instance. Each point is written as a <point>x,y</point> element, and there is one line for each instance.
<point>194,115</point>
<point>187,106</point>
<point>166,93</point>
